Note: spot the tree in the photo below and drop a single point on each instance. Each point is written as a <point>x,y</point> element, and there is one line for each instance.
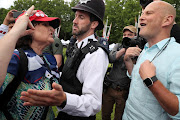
<point>3,13</point>
<point>121,13</point>
<point>176,4</point>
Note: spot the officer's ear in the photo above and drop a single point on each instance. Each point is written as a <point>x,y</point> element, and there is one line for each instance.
<point>94,24</point>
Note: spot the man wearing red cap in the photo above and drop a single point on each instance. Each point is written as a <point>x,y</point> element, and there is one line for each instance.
<point>80,95</point>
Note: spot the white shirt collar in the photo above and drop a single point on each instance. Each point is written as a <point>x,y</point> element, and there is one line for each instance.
<point>84,42</point>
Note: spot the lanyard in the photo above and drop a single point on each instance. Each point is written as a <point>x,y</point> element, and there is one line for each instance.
<point>47,65</point>
<point>162,49</point>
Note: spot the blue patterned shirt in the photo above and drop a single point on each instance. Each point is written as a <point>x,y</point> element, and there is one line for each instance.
<point>37,77</point>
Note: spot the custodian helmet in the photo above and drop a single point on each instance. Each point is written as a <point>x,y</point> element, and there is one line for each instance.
<point>95,7</point>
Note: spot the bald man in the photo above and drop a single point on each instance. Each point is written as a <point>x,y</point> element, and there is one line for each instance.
<point>155,87</point>
<point>175,29</point>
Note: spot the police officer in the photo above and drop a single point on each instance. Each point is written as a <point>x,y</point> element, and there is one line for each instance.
<point>79,97</point>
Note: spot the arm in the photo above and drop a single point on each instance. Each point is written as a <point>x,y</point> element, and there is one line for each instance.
<point>4,27</point>
<point>9,17</point>
<point>54,97</point>
<point>89,103</point>
<point>8,42</point>
<point>58,59</point>
<point>57,51</point>
<point>115,54</point>
<point>166,99</point>
<point>131,52</point>
<point>91,73</point>
<point>120,53</point>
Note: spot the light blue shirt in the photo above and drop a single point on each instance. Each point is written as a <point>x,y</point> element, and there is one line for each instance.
<point>141,103</point>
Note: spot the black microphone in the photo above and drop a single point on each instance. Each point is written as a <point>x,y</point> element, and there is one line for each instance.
<point>138,33</point>
<point>56,45</point>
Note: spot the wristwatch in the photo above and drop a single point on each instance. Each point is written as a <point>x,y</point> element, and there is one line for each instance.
<point>63,104</point>
<point>149,81</point>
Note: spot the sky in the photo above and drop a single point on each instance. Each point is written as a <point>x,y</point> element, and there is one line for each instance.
<point>7,3</point>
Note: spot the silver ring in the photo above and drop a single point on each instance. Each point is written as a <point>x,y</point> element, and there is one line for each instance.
<point>26,14</point>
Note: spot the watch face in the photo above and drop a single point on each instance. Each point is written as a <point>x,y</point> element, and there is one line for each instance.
<point>148,82</point>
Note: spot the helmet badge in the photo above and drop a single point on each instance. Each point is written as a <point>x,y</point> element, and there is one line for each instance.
<point>83,1</point>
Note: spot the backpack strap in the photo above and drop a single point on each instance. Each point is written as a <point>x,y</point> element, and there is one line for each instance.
<point>11,88</point>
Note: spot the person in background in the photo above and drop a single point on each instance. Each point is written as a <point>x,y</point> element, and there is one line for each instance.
<point>80,96</point>
<point>7,23</point>
<point>154,89</point>
<point>104,42</point>
<point>175,32</point>
<point>42,69</point>
<point>117,91</point>
<point>70,45</point>
<point>10,26</point>
<point>56,49</point>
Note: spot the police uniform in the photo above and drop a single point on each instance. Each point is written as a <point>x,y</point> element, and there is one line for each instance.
<point>90,74</point>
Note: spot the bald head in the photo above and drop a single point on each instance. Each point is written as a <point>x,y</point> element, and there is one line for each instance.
<point>157,20</point>
<point>164,8</point>
<point>157,0</point>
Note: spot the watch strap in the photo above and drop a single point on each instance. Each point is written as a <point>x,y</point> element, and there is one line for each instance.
<point>63,104</point>
<point>154,79</point>
<point>150,81</point>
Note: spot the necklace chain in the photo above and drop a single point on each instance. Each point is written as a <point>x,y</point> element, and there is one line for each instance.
<point>161,50</point>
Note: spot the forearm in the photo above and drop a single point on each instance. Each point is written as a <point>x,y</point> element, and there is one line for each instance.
<point>6,22</point>
<point>83,105</point>
<point>113,53</point>
<point>7,46</point>
<point>120,53</point>
<point>58,60</point>
<point>131,53</point>
<point>129,65</point>
<point>166,99</point>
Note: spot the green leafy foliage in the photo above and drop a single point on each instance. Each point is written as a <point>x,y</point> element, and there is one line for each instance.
<point>119,12</point>
<point>176,4</point>
<point>3,13</point>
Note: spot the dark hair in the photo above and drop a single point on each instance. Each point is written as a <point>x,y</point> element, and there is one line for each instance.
<point>26,41</point>
<point>12,22</point>
<point>94,18</point>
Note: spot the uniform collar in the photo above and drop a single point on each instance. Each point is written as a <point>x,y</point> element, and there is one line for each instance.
<point>84,42</point>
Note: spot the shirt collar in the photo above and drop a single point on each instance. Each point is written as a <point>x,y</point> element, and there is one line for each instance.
<point>160,44</point>
<point>84,42</point>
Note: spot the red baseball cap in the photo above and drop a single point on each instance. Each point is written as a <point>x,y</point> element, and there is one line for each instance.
<point>41,16</point>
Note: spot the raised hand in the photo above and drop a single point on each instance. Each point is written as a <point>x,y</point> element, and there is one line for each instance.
<point>23,21</point>
<point>53,97</point>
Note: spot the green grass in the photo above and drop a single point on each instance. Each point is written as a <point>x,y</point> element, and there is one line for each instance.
<point>98,115</point>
